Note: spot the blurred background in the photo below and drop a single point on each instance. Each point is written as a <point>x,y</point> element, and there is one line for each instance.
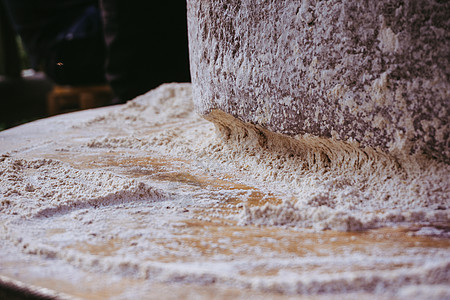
<point>58,56</point>
<point>22,91</point>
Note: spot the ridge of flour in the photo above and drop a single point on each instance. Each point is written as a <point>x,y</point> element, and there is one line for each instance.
<point>43,187</point>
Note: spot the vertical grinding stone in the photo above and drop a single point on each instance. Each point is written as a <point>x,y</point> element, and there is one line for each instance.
<point>374,72</point>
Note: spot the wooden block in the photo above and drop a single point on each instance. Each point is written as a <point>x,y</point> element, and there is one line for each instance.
<point>67,98</point>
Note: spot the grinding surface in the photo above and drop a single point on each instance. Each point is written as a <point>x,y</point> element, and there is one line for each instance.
<point>147,201</point>
<point>374,72</point>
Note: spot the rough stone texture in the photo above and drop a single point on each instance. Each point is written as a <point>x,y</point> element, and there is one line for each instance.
<point>375,72</point>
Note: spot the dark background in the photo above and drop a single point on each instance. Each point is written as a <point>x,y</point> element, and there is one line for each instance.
<point>152,50</point>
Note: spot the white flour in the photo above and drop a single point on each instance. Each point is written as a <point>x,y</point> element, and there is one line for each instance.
<point>336,185</point>
<point>36,188</point>
<point>61,197</point>
<point>327,184</point>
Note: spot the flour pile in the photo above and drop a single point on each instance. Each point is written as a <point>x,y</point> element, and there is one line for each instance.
<point>325,184</point>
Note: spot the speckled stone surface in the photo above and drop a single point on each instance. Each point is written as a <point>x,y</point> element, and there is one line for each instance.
<point>374,72</point>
